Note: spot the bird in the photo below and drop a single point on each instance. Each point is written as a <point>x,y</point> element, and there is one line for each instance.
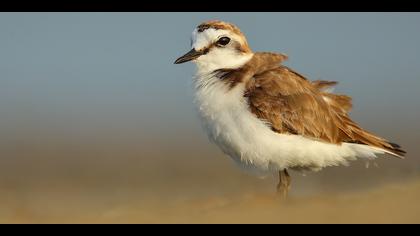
<point>267,117</point>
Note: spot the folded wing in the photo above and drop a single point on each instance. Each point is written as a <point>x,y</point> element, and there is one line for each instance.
<point>291,104</point>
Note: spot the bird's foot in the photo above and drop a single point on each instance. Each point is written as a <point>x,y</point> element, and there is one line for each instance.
<point>283,186</point>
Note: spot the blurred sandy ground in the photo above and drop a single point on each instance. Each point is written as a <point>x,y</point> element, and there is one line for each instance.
<point>210,201</point>
<point>181,178</point>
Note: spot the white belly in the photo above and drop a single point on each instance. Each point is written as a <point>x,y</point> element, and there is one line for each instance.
<point>253,145</point>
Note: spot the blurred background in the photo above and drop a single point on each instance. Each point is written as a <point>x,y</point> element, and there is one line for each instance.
<point>97,124</point>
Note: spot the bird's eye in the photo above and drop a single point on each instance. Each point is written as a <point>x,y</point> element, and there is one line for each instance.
<point>223,41</point>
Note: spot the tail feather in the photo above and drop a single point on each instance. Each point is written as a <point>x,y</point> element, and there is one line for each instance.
<point>389,147</point>
<point>381,144</point>
<point>397,149</point>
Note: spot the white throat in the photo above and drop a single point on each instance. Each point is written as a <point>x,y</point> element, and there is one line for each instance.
<point>218,59</point>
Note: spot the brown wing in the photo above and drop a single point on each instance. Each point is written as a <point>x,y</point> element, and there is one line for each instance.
<point>292,104</point>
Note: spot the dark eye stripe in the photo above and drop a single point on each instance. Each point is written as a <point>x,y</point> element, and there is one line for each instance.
<point>216,44</point>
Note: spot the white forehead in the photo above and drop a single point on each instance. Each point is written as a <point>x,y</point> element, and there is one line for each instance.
<point>203,39</point>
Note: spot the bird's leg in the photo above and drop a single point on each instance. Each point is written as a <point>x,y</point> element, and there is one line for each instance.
<point>284,183</point>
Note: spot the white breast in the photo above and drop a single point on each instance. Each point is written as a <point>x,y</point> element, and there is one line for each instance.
<point>252,144</point>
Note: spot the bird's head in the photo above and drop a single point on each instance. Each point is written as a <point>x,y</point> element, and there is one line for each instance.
<point>217,45</point>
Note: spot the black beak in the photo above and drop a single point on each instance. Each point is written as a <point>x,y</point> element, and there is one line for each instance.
<point>191,55</point>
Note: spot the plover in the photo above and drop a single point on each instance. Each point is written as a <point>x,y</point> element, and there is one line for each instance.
<point>267,117</point>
